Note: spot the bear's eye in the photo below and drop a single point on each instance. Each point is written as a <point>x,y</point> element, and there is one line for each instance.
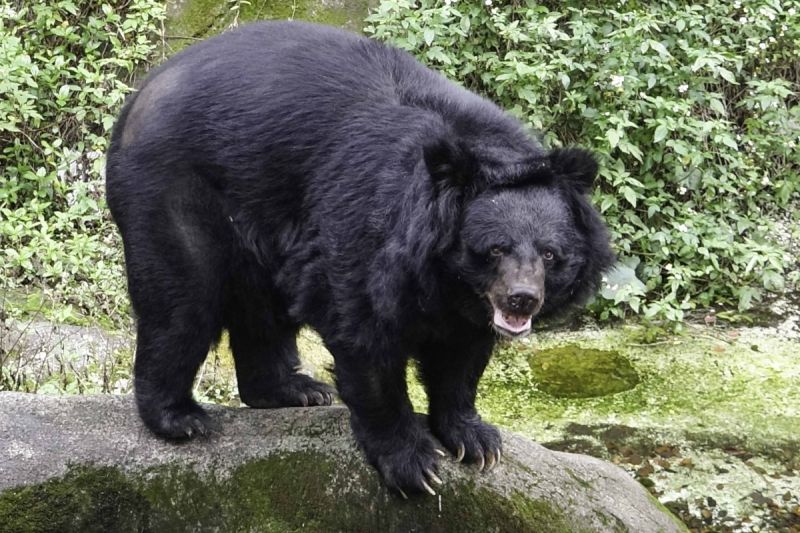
<point>548,255</point>
<point>496,251</point>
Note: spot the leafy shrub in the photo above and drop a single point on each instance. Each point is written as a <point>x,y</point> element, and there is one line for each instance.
<point>64,71</point>
<point>693,110</point>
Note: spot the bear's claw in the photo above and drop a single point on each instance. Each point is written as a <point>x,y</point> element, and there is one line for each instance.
<point>470,440</point>
<point>433,477</point>
<point>298,390</point>
<point>461,452</point>
<point>407,465</point>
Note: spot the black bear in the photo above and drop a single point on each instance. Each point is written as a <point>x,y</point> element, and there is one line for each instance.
<point>287,174</point>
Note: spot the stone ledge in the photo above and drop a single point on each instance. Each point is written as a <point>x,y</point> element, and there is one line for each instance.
<point>86,463</point>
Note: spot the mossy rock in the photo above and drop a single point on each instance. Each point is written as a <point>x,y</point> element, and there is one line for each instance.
<point>86,464</point>
<point>191,20</point>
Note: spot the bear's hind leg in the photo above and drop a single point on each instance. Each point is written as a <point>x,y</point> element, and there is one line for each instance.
<point>169,351</point>
<point>267,364</point>
<point>175,251</point>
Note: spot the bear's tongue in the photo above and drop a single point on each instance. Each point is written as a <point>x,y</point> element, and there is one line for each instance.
<point>513,323</point>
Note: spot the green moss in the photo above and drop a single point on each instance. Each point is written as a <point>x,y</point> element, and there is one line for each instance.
<point>574,372</point>
<point>85,499</point>
<point>348,14</point>
<point>300,491</point>
<point>190,20</point>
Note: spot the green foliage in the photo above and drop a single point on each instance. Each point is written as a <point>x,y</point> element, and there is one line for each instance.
<point>692,109</point>
<point>64,72</point>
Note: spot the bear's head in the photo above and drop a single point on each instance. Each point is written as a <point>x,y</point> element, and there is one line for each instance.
<point>529,241</point>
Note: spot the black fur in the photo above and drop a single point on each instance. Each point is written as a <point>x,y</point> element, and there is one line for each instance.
<point>285,174</point>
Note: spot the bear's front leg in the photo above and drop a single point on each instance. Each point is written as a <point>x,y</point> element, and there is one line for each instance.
<point>450,373</point>
<point>394,440</point>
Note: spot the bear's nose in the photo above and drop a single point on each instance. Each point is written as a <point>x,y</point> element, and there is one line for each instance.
<point>523,301</point>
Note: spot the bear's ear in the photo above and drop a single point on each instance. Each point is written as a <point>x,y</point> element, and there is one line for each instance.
<point>449,164</point>
<point>575,166</point>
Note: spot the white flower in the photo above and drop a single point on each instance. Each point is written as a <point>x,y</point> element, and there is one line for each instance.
<point>617,81</point>
<point>743,20</point>
<point>763,46</point>
<point>682,228</point>
<point>488,2</point>
<point>791,12</point>
<point>683,88</point>
<point>716,42</point>
<point>765,180</point>
<point>681,190</point>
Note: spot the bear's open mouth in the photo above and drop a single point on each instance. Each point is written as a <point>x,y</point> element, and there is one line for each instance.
<point>510,324</point>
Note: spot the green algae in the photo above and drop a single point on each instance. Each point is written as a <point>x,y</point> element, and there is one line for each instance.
<point>712,387</point>
<point>574,372</point>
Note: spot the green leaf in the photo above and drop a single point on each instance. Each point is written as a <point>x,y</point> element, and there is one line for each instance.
<point>746,297</point>
<point>658,47</point>
<point>727,75</point>
<point>428,35</point>
<point>629,194</point>
<point>716,106</point>
<point>607,202</point>
<point>527,94</point>
<point>699,63</point>
<point>613,137</point>
<point>661,133</point>
<point>621,277</point>
<point>728,141</point>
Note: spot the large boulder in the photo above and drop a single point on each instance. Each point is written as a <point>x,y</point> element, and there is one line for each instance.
<point>86,463</point>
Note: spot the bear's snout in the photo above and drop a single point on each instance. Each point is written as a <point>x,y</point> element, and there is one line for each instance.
<point>524,300</point>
